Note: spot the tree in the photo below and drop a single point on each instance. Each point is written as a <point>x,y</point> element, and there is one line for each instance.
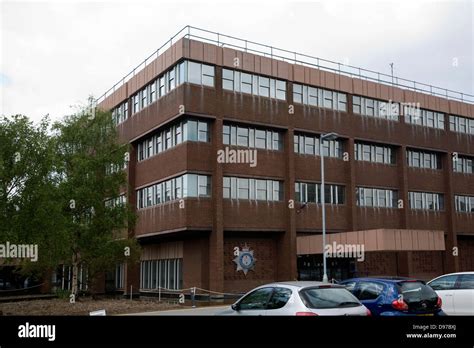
<point>29,213</point>
<point>90,166</point>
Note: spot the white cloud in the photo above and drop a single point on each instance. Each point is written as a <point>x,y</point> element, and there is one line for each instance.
<point>55,54</point>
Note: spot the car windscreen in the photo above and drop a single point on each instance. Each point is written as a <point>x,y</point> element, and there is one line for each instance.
<point>320,298</point>
<point>416,292</point>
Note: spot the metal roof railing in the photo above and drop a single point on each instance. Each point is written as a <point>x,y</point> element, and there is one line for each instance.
<point>223,40</point>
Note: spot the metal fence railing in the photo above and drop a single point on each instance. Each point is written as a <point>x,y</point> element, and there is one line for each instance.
<point>223,40</point>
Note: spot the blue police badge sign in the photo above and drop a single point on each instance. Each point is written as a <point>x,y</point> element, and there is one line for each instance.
<point>244,259</point>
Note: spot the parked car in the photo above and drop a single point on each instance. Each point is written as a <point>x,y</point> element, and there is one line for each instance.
<point>395,296</point>
<point>301,298</point>
<point>457,292</point>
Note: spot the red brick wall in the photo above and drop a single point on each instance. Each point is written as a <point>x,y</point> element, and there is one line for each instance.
<point>265,265</point>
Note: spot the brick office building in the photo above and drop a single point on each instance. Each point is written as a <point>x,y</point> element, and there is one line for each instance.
<point>392,182</point>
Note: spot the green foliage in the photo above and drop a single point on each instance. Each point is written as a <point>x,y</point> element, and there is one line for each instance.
<point>53,186</point>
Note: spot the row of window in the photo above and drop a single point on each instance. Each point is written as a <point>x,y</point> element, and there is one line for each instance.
<point>186,71</point>
<point>309,145</point>
<point>463,164</point>
<point>253,189</point>
<point>374,153</point>
<point>464,203</point>
<point>186,130</point>
<point>375,108</point>
<point>320,97</point>
<point>375,197</point>
<point>423,117</point>
<point>120,113</point>
<point>423,159</point>
<point>164,273</point>
<point>252,137</point>
<point>194,185</point>
<point>311,193</point>
<point>117,201</point>
<point>238,81</point>
<point>426,200</point>
<point>461,124</point>
<point>187,185</point>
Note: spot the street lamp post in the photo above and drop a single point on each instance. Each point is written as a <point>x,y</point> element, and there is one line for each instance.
<point>328,136</point>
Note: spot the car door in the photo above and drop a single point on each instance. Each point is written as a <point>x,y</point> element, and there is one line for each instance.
<point>369,294</point>
<point>463,295</point>
<point>281,302</point>
<point>444,287</point>
<point>254,303</point>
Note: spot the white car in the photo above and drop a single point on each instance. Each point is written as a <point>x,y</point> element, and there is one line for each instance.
<point>298,298</point>
<point>456,291</point>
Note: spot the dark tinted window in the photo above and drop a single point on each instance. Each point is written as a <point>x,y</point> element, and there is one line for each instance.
<point>416,291</point>
<point>368,290</point>
<point>328,298</point>
<point>257,299</point>
<point>350,286</point>
<point>279,298</point>
<point>444,283</point>
<point>467,281</point>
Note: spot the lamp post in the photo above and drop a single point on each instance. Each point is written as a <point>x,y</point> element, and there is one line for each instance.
<point>328,136</point>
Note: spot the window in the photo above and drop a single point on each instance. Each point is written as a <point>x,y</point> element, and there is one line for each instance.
<point>423,159</point>
<point>264,86</point>
<point>279,298</point>
<point>204,186</point>
<point>226,187</point>
<point>228,79</point>
<point>281,90</point>
<point>463,164</point>
<point>356,105</point>
<point>422,117</point>
<point>444,283</point>
<point>226,134</point>
<point>467,281</point>
<point>171,79</point>
<point>249,188</point>
<point>426,201</point>
<point>246,86</point>
<point>375,108</point>
<point>260,139</point>
<point>194,73</point>
<point>464,204</point>
<point>152,92</point>
<point>368,290</point>
<point>297,93</point>
<point>243,188</point>
<point>328,100</point>
<point>461,124</point>
<point>188,185</point>
<point>208,75</point>
<point>165,273</point>
<point>309,144</point>
<point>242,136</point>
<point>256,300</point>
<point>311,193</point>
<point>203,132</point>
<point>162,86</point>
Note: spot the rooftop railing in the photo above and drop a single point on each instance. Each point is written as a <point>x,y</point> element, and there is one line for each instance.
<point>223,40</point>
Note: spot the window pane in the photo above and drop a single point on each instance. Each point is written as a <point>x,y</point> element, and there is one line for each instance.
<point>194,72</point>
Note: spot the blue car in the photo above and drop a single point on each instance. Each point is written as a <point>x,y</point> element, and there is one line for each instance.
<point>395,296</point>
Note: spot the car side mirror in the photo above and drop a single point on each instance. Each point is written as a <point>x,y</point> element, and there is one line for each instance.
<point>235,307</point>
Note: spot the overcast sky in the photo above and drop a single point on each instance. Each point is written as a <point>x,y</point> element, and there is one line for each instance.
<point>55,54</point>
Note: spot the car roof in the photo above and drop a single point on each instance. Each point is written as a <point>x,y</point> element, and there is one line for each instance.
<point>384,279</point>
<point>449,274</point>
<point>301,284</point>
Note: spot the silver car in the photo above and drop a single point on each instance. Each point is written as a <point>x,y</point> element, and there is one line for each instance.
<point>298,298</point>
